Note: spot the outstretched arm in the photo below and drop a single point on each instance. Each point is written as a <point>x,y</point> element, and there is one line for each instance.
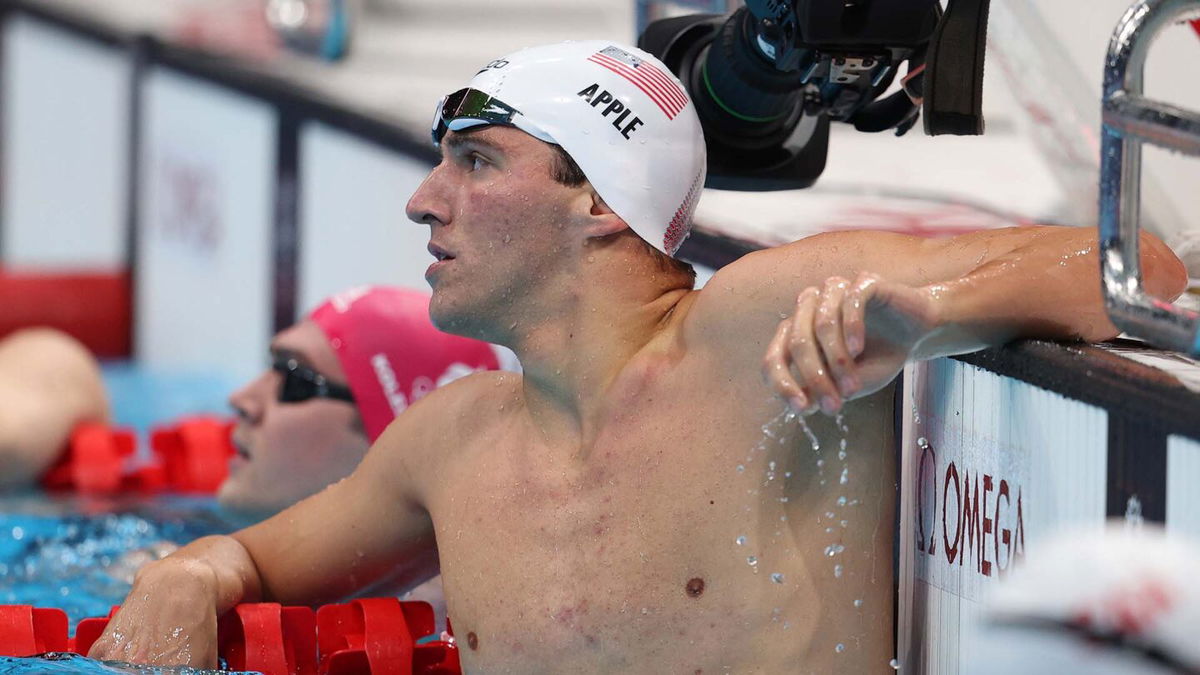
<point>356,531</point>
<point>910,298</point>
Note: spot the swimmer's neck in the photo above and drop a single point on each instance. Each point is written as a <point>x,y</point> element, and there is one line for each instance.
<point>570,361</point>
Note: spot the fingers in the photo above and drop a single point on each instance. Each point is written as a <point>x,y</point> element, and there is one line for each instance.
<point>805,350</point>
<point>810,361</point>
<point>854,310</point>
<point>831,335</point>
<point>776,369</point>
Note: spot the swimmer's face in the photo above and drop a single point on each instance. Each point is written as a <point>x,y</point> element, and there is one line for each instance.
<point>505,232</point>
<point>288,451</point>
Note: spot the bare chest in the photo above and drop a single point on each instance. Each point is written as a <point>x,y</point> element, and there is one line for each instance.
<point>665,534</point>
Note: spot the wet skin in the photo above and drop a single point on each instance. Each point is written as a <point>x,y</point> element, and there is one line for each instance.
<point>586,513</point>
<point>622,556</point>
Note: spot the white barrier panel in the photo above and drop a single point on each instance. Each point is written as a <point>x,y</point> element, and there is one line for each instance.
<point>66,143</point>
<point>1183,474</point>
<point>352,227</point>
<point>206,222</point>
<point>991,465</point>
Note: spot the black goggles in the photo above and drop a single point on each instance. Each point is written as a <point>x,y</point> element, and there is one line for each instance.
<point>472,107</point>
<point>301,383</point>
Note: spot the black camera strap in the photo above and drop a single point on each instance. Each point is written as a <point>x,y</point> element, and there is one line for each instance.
<point>954,70</point>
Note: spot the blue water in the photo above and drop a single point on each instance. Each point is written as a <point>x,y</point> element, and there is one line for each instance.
<point>142,398</point>
<point>80,554</point>
<point>71,663</point>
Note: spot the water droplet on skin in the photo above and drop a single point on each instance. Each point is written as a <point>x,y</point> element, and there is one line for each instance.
<point>741,540</point>
<point>830,514</point>
<point>840,648</point>
<point>922,442</point>
<point>591,258</point>
<point>783,499</point>
<point>834,549</point>
<point>837,571</point>
<point>844,523</point>
<point>894,664</point>
<point>751,560</point>
<point>829,530</point>
<point>771,465</point>
<point>842,455</point>
<point>812,438</point>
<point>787,474</point>
<point>845,476</point>
<point>740,468</point>
<point>841,500</point>
<point>820,463</point>
<point>777,577</point>
<point>858,603</point>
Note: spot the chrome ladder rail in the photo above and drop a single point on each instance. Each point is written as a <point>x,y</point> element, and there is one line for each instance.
<point>1129,120</point>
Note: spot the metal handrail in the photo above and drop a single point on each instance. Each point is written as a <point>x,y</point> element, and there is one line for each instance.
<point>1129,120</point>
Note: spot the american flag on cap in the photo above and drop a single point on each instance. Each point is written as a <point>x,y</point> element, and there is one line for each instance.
<point>658,85</point>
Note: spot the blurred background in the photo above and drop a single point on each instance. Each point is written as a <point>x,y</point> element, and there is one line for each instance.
<point>191,175</point>
<point>180,179</point>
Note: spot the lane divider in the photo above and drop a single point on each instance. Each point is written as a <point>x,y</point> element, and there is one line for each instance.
<point>190,456</point>
<point>371,636</point>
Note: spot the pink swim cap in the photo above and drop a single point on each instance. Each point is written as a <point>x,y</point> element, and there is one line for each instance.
<point>391,352</point>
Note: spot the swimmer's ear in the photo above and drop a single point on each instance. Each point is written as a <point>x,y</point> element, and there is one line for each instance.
<point>601,220</point>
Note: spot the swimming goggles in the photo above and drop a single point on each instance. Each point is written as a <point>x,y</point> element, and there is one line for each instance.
<point>468,107</point>
<point>301,383</point>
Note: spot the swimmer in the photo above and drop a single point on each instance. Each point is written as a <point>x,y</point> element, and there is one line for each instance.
<point>337,379</point>
<point>587,513</point>
<point>49,384</point>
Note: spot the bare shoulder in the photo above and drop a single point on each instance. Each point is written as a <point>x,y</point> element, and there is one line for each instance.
<point>431,431</point>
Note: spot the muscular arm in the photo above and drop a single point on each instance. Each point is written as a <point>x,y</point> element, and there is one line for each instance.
<point>366,526</point>
<point>992,286</point>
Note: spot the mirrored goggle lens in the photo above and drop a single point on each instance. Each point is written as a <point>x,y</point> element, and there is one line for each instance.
<point>470,105</point>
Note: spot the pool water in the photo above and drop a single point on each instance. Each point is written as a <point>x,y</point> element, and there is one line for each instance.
<point>142,398</point>
<point>80,554</point>
<point>72,663</point>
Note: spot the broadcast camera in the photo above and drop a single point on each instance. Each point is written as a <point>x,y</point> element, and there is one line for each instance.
<point>768,79</point>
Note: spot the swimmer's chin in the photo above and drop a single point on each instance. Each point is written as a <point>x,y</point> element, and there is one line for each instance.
<point>459,323</point>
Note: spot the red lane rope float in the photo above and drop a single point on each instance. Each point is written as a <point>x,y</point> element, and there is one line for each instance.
<point>94,308</point>
<point>189,456</point>
<point>269,638</point>
<point>93,462</point>
<point>195,453</point>
<point>368,636</point>
<point>26,630</point>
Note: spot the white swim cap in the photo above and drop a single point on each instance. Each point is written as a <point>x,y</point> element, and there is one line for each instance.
<point>616,110</point>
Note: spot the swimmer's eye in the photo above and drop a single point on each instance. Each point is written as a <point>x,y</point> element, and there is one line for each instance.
<point>477,161</point>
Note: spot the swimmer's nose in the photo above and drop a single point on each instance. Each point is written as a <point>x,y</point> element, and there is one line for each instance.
<point>426,206</point>
<point>250,401</point>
